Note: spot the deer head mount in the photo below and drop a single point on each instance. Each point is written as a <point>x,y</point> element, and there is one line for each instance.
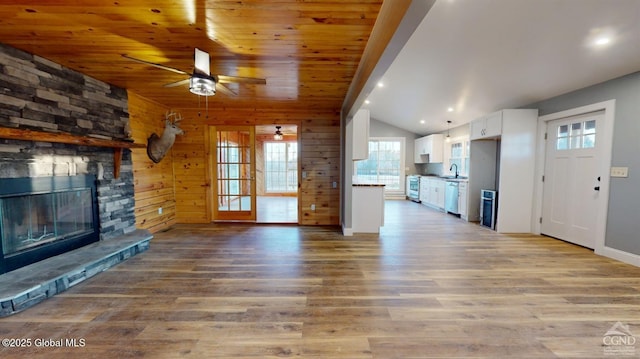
<point>158,146</point>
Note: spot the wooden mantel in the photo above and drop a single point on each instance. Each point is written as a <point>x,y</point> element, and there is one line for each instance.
<point>40,136</point>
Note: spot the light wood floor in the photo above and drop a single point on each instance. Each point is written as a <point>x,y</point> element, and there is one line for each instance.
<point>277,209</point>
<point>429,286</point>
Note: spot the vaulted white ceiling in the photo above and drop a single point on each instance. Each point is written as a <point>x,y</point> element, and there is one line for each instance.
<point>468,58</point>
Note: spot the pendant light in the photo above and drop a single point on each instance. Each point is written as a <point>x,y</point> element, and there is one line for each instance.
<point>448,139</point>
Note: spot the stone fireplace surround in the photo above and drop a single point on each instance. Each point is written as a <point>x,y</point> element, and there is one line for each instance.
<point>37,94</point>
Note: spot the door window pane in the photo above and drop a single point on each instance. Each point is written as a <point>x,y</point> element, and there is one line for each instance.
<point>589,137</point>
<point>562,142</point>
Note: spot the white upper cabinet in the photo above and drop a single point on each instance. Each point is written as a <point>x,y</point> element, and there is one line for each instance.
<point>418,150</point>
<point>487,127</point>
<point>360,135</point>
<point>429,149</point>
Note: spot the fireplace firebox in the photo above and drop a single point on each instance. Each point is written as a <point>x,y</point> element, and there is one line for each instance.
<point>41,217</point>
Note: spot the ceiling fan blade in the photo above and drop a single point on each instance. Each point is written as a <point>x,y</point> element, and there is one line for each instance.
<point>202,62</point>
<point>225,90</point>
<point>177,83</point>
<point>156,65</point>
<point>243,80</point>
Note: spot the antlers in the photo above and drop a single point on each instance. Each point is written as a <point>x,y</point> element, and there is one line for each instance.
<point>177,117</point>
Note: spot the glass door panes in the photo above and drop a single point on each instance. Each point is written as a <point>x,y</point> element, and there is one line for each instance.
<point>281,167</point>
<point>235,198</point>
<point>576,135</point>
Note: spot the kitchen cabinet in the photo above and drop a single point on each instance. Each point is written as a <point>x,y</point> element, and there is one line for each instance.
<point>434,189</point>
<point>418,149</point>
<point>429,149</point>
<point>462,200</point>
<point>440,188</point>
<point>360,140</point>
<point>489,126</point>
<point>516,173</point>
<point>424,190</point>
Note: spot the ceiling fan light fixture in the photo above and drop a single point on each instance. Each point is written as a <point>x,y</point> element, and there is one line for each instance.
<point>202,86</point>
<point>278,135</point>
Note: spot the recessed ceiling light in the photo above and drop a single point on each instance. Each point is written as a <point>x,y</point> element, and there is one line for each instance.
<point>450,109</point>
<point>600,37</point>
<point>422,122</point>
<point>380,84</point>
<point>366,102</point>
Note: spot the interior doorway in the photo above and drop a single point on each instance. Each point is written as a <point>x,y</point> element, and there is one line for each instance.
<point>277,174</point>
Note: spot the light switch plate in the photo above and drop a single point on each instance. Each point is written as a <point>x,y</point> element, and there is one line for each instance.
<point>620,172</point>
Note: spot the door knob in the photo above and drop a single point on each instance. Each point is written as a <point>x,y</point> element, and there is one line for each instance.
<point>596,188</point>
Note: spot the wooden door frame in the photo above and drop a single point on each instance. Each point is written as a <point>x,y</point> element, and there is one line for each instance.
<point>211,179</point>
<point>212,196</point>
<point>605,140</point>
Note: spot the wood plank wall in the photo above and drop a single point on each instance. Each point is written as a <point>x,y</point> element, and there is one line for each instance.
<point>154,183</point>
<point>319,145</point>
<point>260,170</point>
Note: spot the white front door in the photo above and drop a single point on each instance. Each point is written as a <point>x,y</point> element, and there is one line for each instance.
<point>571,180</point>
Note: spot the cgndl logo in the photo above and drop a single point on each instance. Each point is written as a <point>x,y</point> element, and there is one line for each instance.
<point>619,329</point>
<point>619,340</point>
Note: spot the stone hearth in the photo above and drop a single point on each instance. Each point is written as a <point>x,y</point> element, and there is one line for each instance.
<point>28,286</point>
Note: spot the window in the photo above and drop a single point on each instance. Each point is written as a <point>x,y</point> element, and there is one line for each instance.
<point>458,151</point>
<point>576,135</point>
<point>384,165</point>
<point>281,167</point>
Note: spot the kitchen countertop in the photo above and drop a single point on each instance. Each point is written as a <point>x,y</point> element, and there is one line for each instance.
<point>448,178</point>
<point>368,185</point>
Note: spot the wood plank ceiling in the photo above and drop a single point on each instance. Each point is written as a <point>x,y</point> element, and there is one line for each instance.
<point>308,51</point>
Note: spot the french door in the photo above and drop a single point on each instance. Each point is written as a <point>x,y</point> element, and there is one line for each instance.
<point>571,191</point>
<point>234,171</point>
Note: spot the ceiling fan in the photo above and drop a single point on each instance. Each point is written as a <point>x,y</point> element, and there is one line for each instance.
<point>201,82</point>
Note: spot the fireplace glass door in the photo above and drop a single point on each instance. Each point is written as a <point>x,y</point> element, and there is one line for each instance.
<point>34,220</point>
<point>42,217</point>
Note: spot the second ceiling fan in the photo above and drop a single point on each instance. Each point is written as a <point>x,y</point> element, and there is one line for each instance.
<point>201,82</point>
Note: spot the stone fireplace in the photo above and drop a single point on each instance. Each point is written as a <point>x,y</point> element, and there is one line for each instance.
<point>60,195</point>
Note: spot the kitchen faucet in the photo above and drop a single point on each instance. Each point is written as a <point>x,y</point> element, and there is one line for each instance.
<point>450,168</point>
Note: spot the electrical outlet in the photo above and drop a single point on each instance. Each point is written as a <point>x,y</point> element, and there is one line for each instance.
<point>335,184</point>
<point>160,210</point>
<point>313,207</point>
<point>304,174</point>
<point>620,172</point>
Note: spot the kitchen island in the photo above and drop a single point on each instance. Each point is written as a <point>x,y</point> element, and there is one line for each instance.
<point>367,207</point>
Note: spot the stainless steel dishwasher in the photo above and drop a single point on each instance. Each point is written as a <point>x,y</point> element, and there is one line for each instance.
<point>451,197</point>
